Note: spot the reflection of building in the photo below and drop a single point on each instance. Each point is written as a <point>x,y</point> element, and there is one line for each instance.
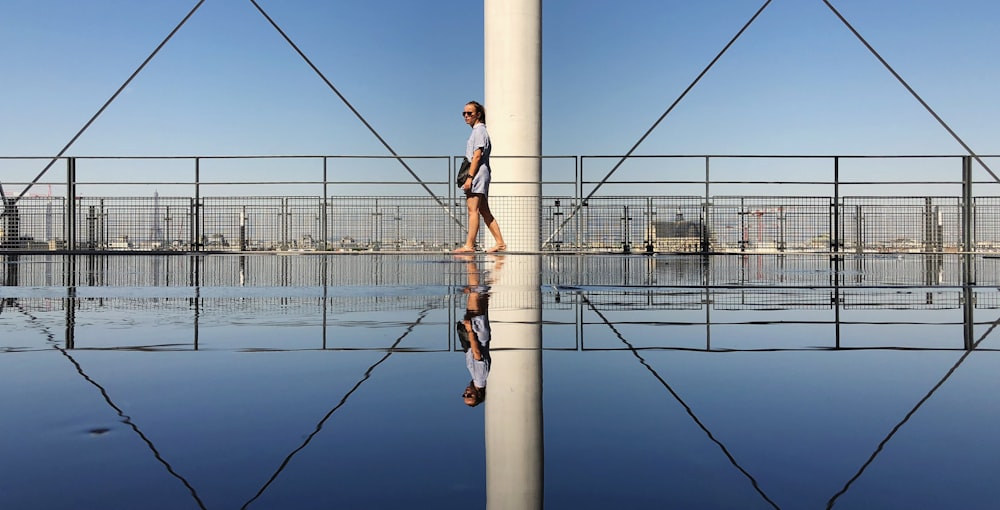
<point>680,235</point>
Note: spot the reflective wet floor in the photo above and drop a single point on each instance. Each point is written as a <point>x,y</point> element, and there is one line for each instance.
<point>521,381</point>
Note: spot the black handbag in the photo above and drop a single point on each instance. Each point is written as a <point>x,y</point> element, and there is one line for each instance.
<point>463,173</point>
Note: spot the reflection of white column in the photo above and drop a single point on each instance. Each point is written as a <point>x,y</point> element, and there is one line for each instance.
<point>513,65</point>
<point>514,446</point>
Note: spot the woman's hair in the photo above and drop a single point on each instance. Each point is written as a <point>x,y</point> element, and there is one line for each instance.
<point>480,109</point>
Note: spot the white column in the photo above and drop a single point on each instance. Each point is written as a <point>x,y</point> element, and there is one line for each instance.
<point>513,101</point>
<point>513,415</point>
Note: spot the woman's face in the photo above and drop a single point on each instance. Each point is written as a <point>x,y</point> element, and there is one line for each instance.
<point>470,114</point>
<point>470,396</point>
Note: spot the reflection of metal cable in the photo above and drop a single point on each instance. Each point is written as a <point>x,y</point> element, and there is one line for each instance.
<point>109,101</point>
<point>657,123</point>
<point>107,398</point>
<point>319,426</point>
<point>683,404</point>
<point>909,415</point>
<point>128,421</point>
<point>354,110</point>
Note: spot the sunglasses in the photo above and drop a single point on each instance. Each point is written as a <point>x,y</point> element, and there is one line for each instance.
<point>466,114</point>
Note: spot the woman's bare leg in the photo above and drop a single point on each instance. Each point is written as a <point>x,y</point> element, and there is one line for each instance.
<point>472,203</point>
<point>492,225</point>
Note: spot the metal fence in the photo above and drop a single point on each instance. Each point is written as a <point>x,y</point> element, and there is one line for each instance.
<point>336,203</point>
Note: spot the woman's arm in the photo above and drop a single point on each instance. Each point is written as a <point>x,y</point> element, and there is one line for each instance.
<point>473,166</point>
<point>474,343</point>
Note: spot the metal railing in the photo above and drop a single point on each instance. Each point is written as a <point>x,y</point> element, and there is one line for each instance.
<point>735,204</point>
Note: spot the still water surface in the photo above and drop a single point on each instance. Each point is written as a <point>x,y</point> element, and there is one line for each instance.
<point>610,382</point>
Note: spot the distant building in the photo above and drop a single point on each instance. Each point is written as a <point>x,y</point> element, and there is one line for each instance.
<point>217,241</point>
<point>120,243</point>
<point>680,235</point>
<point>348,243</point>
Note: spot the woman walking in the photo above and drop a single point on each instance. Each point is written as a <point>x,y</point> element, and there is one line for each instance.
<point>477,185</point>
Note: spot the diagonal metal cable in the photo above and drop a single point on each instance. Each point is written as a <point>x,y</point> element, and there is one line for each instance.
<point>126,419</point>
<point>109,101</point>
<point>657,123</point>
<point>911,91</point>
<point>355,111</point>
<point>677,397</point>
<point>3,203</point>
<point>319,426</point>
<point>892,433</point>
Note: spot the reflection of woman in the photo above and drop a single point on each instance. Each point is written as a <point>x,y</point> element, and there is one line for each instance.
<point>474,335</point>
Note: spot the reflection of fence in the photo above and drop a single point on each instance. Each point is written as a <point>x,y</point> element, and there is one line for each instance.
<point>725,302</point>
<point>896,221</point>
<point>707,319</point>
<point>256,273</point>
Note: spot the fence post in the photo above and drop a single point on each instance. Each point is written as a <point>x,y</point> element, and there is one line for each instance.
<point>556,223</point>
<point>704,231</point>
<point>968,243</point>
<point>649,224</point>
<point>743,231</point>
<point>196,234</point>
<point>968,210</point>
<point>859,229</point>
<point>376,233</point>
<point>324,210</point>
<point>781,228</point>
<point>626,232</point>
<point>92,228</point>
<point>707,179</point>
<point>835,210</point>
<point>243,229</point>
<point>70,227</point>
<point>285,220</point>
<point>579,203</point>
<point>193,229</point>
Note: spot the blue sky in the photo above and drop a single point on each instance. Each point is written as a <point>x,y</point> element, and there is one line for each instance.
<point>797,82</point>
